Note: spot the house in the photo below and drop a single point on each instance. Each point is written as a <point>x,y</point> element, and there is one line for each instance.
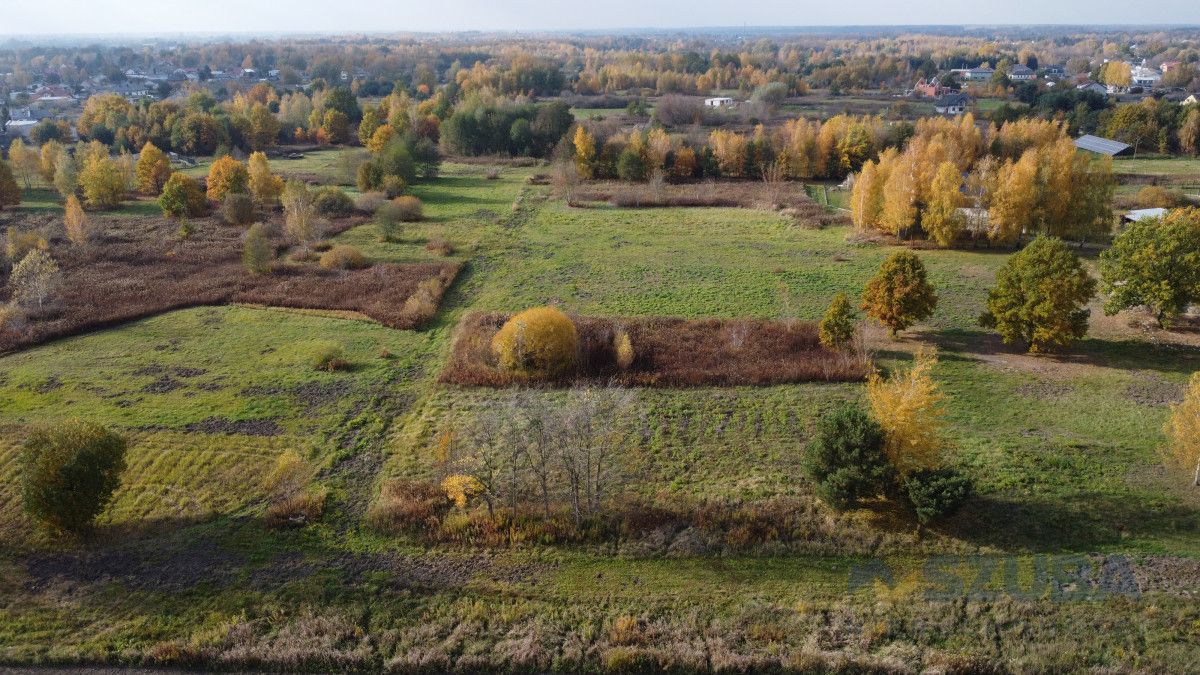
<point>952,104</point>
<point>1021,73</point>
<point>1142,76</point>
<point>1191,100</point>
<point>929,88</point>
<point>1094,87</point>
<point>1054,70</point>
<point>719,102</point>
<point>981,74</point>
<point>1102,146</point>
<point>21,128</point>
<point>1140,214</point>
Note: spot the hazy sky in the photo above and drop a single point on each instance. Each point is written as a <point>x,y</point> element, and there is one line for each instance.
<point>174,16</point>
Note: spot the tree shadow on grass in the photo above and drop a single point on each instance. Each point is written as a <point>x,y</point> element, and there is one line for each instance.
<point>1081,523</point>
<point>967,345</point>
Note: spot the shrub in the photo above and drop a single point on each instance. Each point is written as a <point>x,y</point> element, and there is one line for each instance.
<point>846,458</point>
<point>933,493</point>
<point>1153,196</point>
<point>69,473</point>
<point>18,244</point>
<point>327,355</point>
<point>623,348</point>
<point>408,506</point>
<point>343,257</point>
<point>423,303</point>
<point>237,208</point>
<point>257,251</point>
<point>297,510</point>
<point>290,504</point>
<point>908,406</point>
<point>393,186</point>
<point>1182,450</point>
<point>333,202</point>
<point>540,341</point>
<point>439,246</point>
<point>182,197</point>
<point>388,218</point>
<point>837,327</point>
<point>369,202</point>
<point>409,208</point>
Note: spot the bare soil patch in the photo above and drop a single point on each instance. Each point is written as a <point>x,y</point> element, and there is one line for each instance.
<point>671,352</point>
<point>141,267</point>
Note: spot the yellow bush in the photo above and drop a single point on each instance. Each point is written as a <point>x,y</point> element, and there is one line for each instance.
<point>624,349</point>
<point>539,341</point>
<point>343,257</point>
<point>461,488</point>
<point>908,405</point>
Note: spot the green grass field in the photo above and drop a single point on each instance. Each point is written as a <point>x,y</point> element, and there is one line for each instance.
<point>183,572</point>
<point>1172,166</point>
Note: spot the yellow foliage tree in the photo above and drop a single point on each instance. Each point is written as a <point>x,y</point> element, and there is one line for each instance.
<point>1013,199</point>
<point>585,152</point>
<point>942,220</point>
<point>908,405</point>
<point>48,160</point>
<point>1182,450</point>
<point>227,175</point>
<point>899,211</point>
<point>380,139</point>
<point>153,170</point>
<point>265,186</point>
<point>77,224</point>
<point>102,182</point>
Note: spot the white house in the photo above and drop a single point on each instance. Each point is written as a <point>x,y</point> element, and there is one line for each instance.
<point>1142,76</point>
<point>952,104</point>
<point>719,102</point>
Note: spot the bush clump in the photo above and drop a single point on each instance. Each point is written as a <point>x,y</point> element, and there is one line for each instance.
<point>933,493</point>
<point>409,209</point>
<point>69,473</point>
<point>343,257</point>
<point>541,341</point>
<point>846,458</point>
<point>439,246</point>
<point>333,202</point>
<point>237,208</point>
<point>327,355</point>
<point>257,251</point>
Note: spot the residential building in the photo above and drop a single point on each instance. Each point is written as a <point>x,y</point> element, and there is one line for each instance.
<point>1021,73</point>
<point>719,102</point>
<point>952,104</point>
<point>1093,86</point>
<point>1142,76</point>
<point>929,88</point>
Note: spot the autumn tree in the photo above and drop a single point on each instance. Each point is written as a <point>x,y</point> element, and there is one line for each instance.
<point>34,279</point>
<point>102,182</point>
<point>908,406</point>
<point>153,169</point>
<point>898,213</point>
<point>264,127</point>
<point>380,139</point>
<point>585,152</point>
<point>899,294</point>
<point>837,326</point>
<point>182,197</point>
<point>77,223</point>
<point>1014,199</point>
<point>25,162</point>
<point>866,197</point>
<point>10,192</point>
<point>300,218</point>
<point>1189,131</point>
<point>1182,450</point>
<point>942,220</point>
<point>1154,262</point>
<point>227,175</point>
<point>66,175</point>
<point>1116,73</point>
<point>1040,297</point>
<point>257,251</point>
<point>48,160</point>
<point>335,127</point>
<point>368,126</point>
<point>265,186</point>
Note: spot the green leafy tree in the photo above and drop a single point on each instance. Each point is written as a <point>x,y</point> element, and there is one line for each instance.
<point>899,294</point>
<point>69,473</point>
<point>1155,262</point>
<point>837,327</point>
<point>846,459</point>
<point>1040,297</point>
<point>182,197</point>
<point>257,251</point>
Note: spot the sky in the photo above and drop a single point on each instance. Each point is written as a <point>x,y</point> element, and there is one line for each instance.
<point>169,17</point>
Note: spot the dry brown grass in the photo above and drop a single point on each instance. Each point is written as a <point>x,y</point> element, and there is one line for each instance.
<point>670,352</point>
<point>140,267</point>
